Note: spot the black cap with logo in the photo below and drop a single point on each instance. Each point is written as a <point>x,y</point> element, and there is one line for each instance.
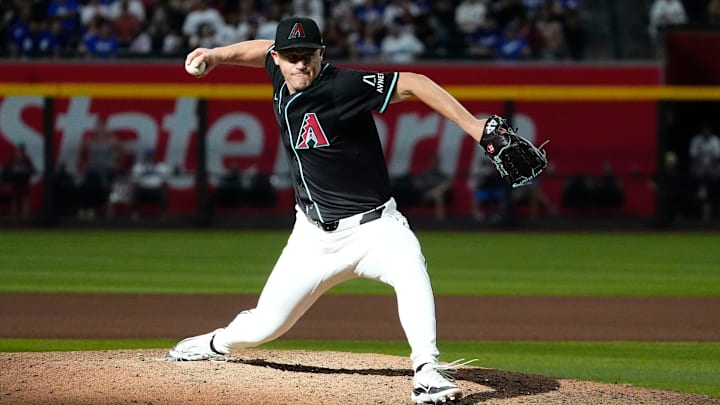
<point>298,32</point>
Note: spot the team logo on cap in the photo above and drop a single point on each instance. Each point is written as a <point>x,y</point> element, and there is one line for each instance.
<point>297,31</point>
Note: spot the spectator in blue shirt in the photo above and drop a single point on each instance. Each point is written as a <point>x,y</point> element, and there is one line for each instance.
<point>512,46</point>
<point>68,12</point>
<point>36,42</point>
<point>369,12</point>
<point>18,28</point>
<point>365,47</point>
<point>485,40</point>
<point>18,31</point>
<point>101,44</point>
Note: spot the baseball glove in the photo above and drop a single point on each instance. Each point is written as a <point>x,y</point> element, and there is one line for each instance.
<point>516,158</point>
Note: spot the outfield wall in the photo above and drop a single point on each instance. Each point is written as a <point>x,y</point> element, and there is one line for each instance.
<point>593,115</point>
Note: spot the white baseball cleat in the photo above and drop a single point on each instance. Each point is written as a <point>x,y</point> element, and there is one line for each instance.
<point>433,383</point>
<point>196,348</point>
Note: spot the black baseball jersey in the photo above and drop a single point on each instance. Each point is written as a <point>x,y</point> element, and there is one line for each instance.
<point>336,159</point>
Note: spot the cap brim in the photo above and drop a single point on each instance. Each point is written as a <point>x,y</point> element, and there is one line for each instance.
<point>309,45</point>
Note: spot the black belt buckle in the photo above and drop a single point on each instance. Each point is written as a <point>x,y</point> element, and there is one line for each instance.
<point>329,226</point>
<point>372,215</point>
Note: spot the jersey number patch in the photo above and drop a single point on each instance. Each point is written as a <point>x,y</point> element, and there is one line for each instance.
<point>311,131</point>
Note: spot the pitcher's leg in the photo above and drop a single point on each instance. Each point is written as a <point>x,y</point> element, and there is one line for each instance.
<point>396,259</point>
<point>300,276</point>
<point>302,273</point>
<point>416,309</point>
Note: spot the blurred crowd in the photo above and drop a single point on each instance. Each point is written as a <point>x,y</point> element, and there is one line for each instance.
<point>398,31</point>
<point>364,30</point>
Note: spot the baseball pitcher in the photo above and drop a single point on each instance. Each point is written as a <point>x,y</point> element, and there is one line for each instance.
<point>347,224</point>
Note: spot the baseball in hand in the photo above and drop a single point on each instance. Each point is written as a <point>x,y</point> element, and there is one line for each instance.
<point>194,70</point>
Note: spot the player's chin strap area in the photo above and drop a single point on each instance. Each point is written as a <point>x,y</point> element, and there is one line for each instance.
<point>357,219</point>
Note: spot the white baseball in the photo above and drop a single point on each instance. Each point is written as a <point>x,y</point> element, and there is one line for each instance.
<point>195,70</point>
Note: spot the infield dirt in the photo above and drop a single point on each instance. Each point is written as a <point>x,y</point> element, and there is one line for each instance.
<point>258,376</point>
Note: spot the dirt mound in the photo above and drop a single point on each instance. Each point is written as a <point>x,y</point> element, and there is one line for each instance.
<point>260,376</point>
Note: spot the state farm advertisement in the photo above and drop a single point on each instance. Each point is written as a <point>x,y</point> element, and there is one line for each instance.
<point>584,136</point>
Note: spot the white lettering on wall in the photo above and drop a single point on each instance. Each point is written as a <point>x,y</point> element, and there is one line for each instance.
<point>449,148</point>
<point>180,124</point>
<point>16,132</point>
<point>72,125</point>
<point>410,130</point>
<point>250,146</point>
<point>142,125</point>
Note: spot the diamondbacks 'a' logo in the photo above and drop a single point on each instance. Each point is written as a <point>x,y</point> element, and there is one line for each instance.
<point>311,131</point>
<point>297,31</point>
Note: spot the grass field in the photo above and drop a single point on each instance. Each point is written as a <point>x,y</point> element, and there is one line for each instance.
<point>533,264</point>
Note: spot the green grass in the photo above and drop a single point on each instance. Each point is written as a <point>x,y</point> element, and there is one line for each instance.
<point>69,345</point>
<point>527,264</point>
<point>185,262</point>
<point>685,367</point>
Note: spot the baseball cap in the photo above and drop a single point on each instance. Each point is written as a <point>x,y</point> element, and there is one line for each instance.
<point>298,32</point>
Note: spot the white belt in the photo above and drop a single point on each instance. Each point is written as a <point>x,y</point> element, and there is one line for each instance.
<point>357,219</point>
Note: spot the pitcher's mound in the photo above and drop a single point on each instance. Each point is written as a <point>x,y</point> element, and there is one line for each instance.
<point>260,376</point>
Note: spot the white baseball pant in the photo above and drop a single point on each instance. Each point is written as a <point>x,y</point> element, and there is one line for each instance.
<point>314,260</point>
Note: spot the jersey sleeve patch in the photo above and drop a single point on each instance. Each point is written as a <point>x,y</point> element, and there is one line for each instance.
<point>356,91</point>
<point>375,80</point>
<point>389,90</point>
